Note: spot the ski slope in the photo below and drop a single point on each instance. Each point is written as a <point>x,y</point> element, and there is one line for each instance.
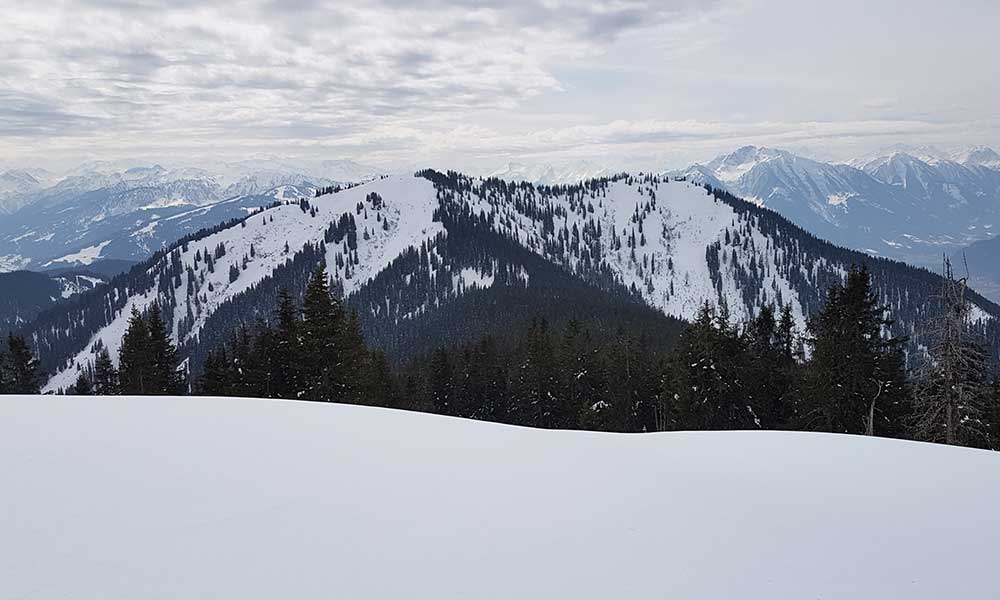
<point>164,498</point>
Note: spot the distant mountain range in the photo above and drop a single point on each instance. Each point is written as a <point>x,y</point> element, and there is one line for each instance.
<point>915,205</point>
<point>549,174</point>
<point>117,211</point>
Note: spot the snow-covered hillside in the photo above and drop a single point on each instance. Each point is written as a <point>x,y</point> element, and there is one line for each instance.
<point>160,497</point>
<point>670,243</point>
<point>253,252</point>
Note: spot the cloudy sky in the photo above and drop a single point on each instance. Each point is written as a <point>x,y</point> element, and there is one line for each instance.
<point>472,84</point>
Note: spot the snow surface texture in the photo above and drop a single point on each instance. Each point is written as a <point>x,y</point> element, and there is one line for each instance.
<point>163,498</point>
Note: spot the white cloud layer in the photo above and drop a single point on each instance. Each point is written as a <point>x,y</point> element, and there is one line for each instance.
<point>475,82</point>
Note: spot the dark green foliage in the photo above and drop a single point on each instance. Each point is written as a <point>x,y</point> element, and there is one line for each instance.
<point>323,332</point>
<point>164,376</point>
<point>83,385</point>
<point>147,361</point>
<point>708,380</point>
<point>134,359</point>
<point>316,355</point>
<point>105,374</point>
<point>855,381</point>
<point>22,367</point>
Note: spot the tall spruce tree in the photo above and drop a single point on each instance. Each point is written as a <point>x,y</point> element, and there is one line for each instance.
<point>164,378</point>
<point>134,376</point>
<point>323,349</point>
<point>855,381</point>
<point>105,374</point>
<point>23,367</point>
<point>770,366</point>
<point>286,352</point>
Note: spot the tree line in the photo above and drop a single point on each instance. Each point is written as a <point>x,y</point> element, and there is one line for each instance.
<point>843,374</point>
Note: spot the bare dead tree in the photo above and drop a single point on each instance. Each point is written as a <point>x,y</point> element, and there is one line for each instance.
<point>951,389</point>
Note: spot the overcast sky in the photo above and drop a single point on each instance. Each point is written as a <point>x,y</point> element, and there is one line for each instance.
<point>472,84</point>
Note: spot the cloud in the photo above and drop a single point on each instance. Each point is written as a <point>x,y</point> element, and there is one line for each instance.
<point>403,81</point>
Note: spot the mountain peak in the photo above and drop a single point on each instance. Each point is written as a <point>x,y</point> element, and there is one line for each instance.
<point>730,167</point>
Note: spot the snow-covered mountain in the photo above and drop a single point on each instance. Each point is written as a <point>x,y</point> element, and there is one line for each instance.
<point>979,156</point>
<point>907,206</point>
<point>17,187</point>
<point>193,497</point>
<point>127,211</point>
<point>408,249</point>
<point>548,174</point>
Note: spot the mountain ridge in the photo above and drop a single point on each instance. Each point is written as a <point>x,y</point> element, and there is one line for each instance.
<point>672,245</point>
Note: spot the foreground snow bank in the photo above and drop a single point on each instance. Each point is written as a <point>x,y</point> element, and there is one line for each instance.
<point>226,498</point>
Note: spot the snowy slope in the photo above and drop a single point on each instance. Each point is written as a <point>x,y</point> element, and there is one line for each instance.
<point>670,269</point>
<point>409,206</point>
<point>670,243</point>
<point>234,498</point>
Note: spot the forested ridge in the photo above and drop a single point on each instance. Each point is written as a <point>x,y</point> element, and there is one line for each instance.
<point>530,293</point>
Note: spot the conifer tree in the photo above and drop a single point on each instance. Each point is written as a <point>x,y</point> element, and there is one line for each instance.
<point>323,360</point>
<point>217,375</point>
<point>83,386</point>
<point>164,379</point>
<point>287,349</point>
<point>105,374</point>
<point>23,367</point>
<point>354,360</point>
<point>769,366</point>
<point>855,381</point>
<point>706,381</point>
<point>134,376</point>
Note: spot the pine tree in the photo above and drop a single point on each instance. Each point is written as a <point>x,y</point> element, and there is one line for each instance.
<point>769,367</point>
<point>134,360</point>
<point>164,379</point>
<point>105,374</point>
<point>323,361</point>
<point>287,349</point>
<point>23,370</point>
<point>217,375</point>
<point>855,381</point>
<point>83,386</point>
<point>950,403</point>
<point>354,360</point>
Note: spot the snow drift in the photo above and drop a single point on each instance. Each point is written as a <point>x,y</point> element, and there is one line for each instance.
<point>233,498</point>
